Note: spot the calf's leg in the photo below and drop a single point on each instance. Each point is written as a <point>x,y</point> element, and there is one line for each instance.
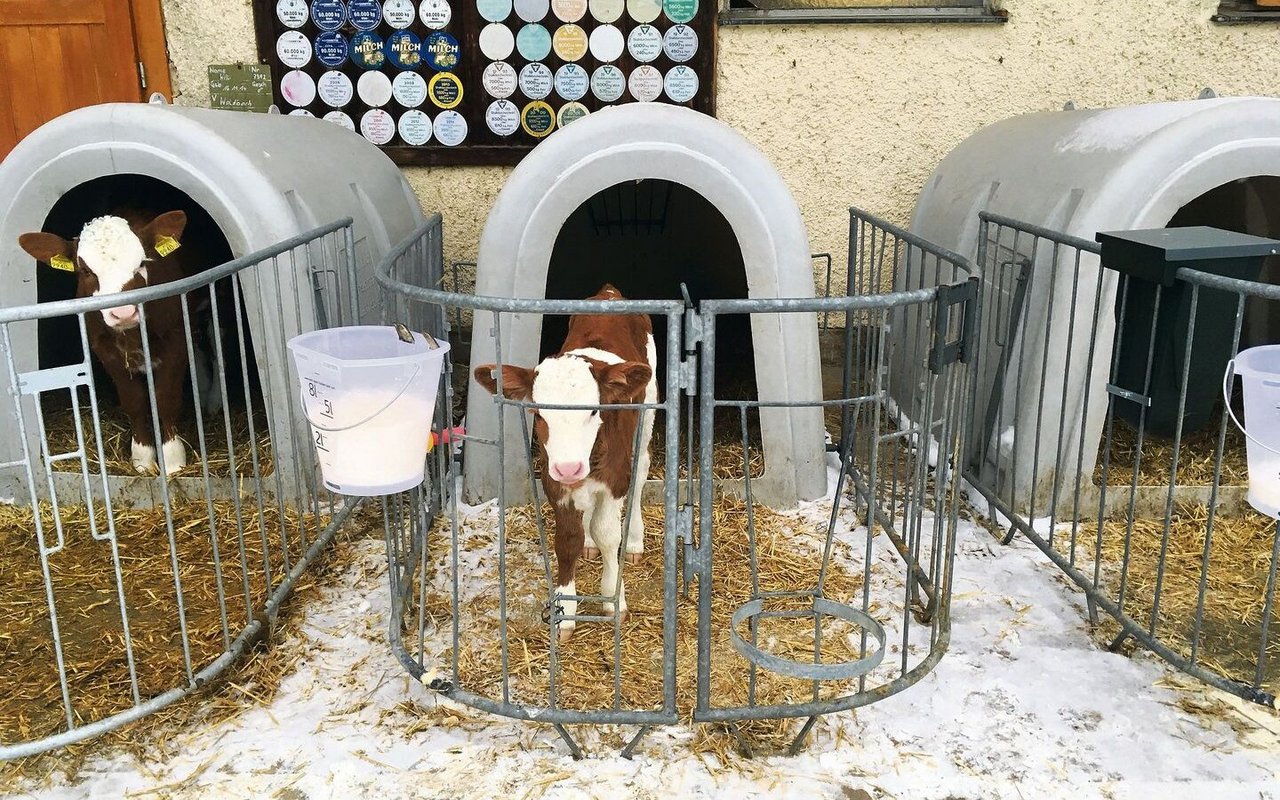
<point>568,540</point>
<point>170,378</point>
<point>607,530</point>
<point>132,391</point>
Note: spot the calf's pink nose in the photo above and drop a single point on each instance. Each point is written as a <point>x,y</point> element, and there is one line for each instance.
<point>570,472</point>
<point>122,314</point>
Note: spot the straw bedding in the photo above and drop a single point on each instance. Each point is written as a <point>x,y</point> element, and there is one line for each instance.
<point>1195,458</point>
<point>1235,593</point>
<point>789,558</point>
<point>249,440</point>
<point>84,587</point>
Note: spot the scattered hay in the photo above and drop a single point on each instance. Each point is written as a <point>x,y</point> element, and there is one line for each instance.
<point>60,430</point>
<point>251,682</point>
<point>1235,590</point>
<point>788,559</point>
<point>85,591</point>
<point>1195,458</point>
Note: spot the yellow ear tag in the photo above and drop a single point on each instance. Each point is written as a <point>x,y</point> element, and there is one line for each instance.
<point>63,263</point>
<point>166,245</point>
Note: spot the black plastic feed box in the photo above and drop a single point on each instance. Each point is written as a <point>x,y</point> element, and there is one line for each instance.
<point>1150,258</point>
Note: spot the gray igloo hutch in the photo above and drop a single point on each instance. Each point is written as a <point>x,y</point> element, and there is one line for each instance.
<point>261,178</point>
<point>558,215</point>
<point>1079,172</point>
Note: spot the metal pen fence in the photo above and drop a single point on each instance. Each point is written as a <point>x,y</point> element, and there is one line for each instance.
<point>127,592</point>
<point>795,616</point>
<point>1105,440</point>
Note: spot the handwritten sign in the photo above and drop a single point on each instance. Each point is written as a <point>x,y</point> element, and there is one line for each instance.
<point>240,87</point>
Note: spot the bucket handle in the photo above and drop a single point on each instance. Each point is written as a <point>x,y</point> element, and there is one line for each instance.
<point>302,395</point>
<point>1227,378</point>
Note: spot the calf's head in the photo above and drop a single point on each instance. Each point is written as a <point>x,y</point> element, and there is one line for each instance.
<point>109,256</point>
<point>569,436</point>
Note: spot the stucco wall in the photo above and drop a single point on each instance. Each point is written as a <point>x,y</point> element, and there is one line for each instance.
<point>861,114</point>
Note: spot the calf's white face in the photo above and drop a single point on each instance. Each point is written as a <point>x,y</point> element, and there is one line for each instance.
<point>110,256</point>
<point>569,436</point>
<point>114,254</point>
<point>583,377</point>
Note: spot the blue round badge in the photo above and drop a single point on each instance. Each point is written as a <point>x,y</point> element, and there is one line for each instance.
<point>328,15</point>
<point>404,50</point>
<point>365,14</point>
<point>331,49</point>
<point>367,50</point>
<point>441,52</point>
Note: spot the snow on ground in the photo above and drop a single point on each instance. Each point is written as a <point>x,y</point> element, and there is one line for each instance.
<point>1024,705</point>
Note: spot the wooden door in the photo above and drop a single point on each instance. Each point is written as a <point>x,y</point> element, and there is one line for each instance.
<point>59,55</point>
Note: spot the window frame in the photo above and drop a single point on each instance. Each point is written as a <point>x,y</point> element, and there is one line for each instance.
<point>942,11</point>
<point>1243,12</point>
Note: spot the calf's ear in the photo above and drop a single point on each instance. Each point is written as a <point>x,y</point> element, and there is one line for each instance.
<point>517,382</point>
<point>619,383</point>
<point>50,249</point>
<point>163,233</point>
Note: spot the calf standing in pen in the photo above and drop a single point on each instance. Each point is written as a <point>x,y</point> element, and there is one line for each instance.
<point>117,254</point>
<point>605,359</point>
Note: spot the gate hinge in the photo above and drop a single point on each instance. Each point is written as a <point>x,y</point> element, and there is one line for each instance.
<point>689,376</point>
<point>693,559</point>
<point>142,74</point>
<point>692,329</point>
<point>943,352</point>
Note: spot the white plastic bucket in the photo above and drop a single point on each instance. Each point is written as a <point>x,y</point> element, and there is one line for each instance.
<point>1259,371</point>
<point>369,397</point>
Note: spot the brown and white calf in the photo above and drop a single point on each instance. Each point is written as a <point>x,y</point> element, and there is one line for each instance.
<point>120,252</point>
<point>605,359</point>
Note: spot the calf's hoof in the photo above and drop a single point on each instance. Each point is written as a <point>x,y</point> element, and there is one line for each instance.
<point>175,456</point>
<point>634,558</point>
<point>565,633</point>
<point>143,457</point>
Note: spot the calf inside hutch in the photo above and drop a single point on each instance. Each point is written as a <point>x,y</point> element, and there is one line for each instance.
<point>127,588</point>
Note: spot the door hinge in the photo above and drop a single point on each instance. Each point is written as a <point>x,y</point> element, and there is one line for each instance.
<point>142,74</point>
<point>964,297</point>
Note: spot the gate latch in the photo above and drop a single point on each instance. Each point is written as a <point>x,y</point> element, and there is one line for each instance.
<point>943,352</point>
<point>693,557</point>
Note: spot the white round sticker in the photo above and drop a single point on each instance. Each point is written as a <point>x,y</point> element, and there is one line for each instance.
<point>644,10</point>
<point>335,89</point>
<point>502,117</point>
<point>532,10</point>
<point>300,112</point>
<point>494,10</point>
<point>572,81</point>
<point>644,43</point>
<point>298,88</point>
<point>374,88</point>
<point>435,15</point>
<point>398,13</point>
<point>377,126</point>
<point>339,118</point>
<point>680,43</point>
<point>414,127</point>
<point>607,10</point>
<point>535,80</point>
<point>607,43</point>
<point>645,83</point>
<point>681,83</point>
<point>569,10</point>
<point>499,79</point>
<point>294,49</point>
<point>409,89</point>
<point>292,13</point>
<point>496,43</point>
<point>450,128</point>
<point>607,83</point>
